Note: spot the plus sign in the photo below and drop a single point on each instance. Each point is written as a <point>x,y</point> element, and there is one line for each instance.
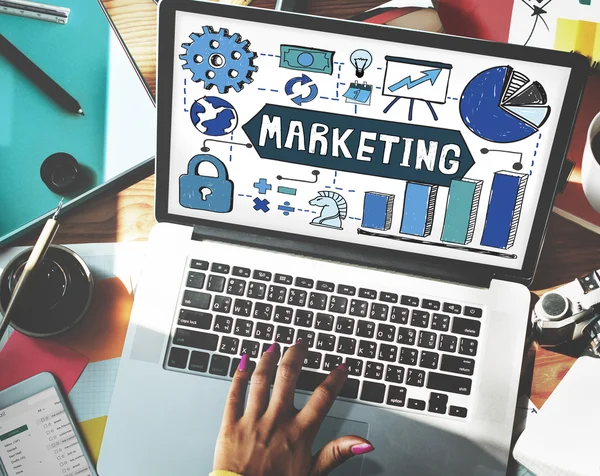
<point>262,186</point>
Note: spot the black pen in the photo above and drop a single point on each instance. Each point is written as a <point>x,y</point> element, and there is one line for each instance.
<point>38,77</point>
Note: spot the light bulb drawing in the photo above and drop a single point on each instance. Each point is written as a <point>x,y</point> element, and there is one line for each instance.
<point>361,60</point>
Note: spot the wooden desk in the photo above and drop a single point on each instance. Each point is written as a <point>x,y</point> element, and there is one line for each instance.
<point>569,251</point>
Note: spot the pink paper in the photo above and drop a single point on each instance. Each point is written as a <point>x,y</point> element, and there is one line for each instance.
<point>23,357</point>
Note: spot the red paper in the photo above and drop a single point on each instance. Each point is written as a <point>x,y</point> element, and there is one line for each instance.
<point>23,357</point>
<point>484,19</point>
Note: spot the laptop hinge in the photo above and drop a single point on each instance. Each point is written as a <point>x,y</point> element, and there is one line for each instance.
<point>378,258</point>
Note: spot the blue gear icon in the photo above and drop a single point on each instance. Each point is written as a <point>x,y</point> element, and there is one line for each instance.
<point>219,59</point>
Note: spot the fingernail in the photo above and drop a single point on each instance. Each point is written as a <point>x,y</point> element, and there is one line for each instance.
<point>299,341</point>
<point>243,363</point>
<point>273,347</point>
<point>362,449</point>
<point>343,367</point>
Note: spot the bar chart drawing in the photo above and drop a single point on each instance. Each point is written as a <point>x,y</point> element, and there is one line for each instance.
<point>461,211</point>
<point>419,207</point>
<point>377,211</point>
<point>504,209</point>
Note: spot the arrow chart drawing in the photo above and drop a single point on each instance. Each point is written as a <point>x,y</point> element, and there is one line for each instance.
<point>299,99</point>
<point>428,75</point>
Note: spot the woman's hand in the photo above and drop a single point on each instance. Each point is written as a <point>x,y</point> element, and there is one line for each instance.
<point>270,436</point>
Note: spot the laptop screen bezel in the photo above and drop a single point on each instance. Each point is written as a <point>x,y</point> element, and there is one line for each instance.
<point>364,254</point>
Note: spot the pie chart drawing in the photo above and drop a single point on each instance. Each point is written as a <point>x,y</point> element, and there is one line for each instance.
<point>502,105</point>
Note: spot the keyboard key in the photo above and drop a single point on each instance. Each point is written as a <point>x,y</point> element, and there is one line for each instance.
<point>199,264</point>
<point>199,361</point>
<point>365,329</point>
<point>388,297</point>
<point>235,364</point>
<point>350,389</point>
<point>347,290</point>
<point>325,286</point>
<point>452,308</point>
<point>440,322</point>
<point>379,311</point>
<point>346,345</point>
<point>331,362</point>
<point>283,314</point>
<point>447,343</point>
<point>297,297</point>
<point>178,358</point>
<point>242,307</point>
<point>467,327</point>
<point>326,342</point>
<point>394,374</point>
<point>304,318</point>
<point>427,340</point>
<point>222,304</point>
<point>408,356</point>
<point>313,360</point>
<point>358,308</point>
<point>257,290</point>
<point>307,336</point>
<point>386,332</point>
<point>219,364</point>
<point>229,345</point>
<point>338,304</point>
<point>472,311</point>
<point>195,280</point>
<point>367,349</point>
<point>223,324</point>
<point>264,331</point>
<point>198,340</point>
<point>196,299</point>
<point>458,411</point>
<point>241,272</point>
<point>236,287</point>
<point>283,279</point>
<point>249,347</point>
<point>263,311</point>
<point>324,322</point>
<point>387,353</point>
<point>355,367</point>
<point>449,383</point>
<point>261,275</point>
<point>415,404</point>
<point>276,294</point>
<point>304,283</point>
<point>220,268</point>
<point>373,392</point>
<point>199,320</point>
<point>419,319</point>
<point>367,293</point>
<point>243,328</point>
<point>344,325</point>
<point>215,283</point>
<point>467,346</point>
<point>429,360</point>
<point>399,315</point>
<point>374,370</point>
<point>409,301</point>
<point>284,335</point>
<point>317,301</point>
<point>457,365</point>
<point>430,304</point>
<point>308,380</point>
<point>415,377</point>
<point>396,396</point>
<point>406,335</point>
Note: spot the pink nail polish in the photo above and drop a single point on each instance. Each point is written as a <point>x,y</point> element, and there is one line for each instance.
<point>299,341</point>
<point>343,367</point>
<point>362,449</point>
<point>243,363</point>
<point>273,347</point>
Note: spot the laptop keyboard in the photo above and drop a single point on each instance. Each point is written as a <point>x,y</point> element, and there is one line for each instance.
<point>406,352</point>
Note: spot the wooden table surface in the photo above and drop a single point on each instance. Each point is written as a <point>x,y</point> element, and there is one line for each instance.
<point>569,250</point>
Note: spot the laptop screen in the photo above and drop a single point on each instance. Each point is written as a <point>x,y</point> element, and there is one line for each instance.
<point>356,140</point>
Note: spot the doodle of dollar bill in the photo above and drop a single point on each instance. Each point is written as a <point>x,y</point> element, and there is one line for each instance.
<point>306,59</point>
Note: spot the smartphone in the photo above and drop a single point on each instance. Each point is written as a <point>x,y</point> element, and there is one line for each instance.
<point>38,435</point>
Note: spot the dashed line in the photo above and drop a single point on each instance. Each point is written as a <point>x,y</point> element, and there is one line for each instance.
<point>262,89</point>
<point>339,188</point>
<point>323,97</point>
<point>379,68</point>
<point>352,190</point>
<point>355,218</point>
<point>355,109</point>
<point>231,149</point>
<point>184,103</point>
<point>274,90</point>
<point>334,99</point>
<point>334,177</point>
<point>450,97</point>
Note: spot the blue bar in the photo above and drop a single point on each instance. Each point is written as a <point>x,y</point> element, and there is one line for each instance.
<point>504,209</point>
<point>419,205</point>
<point>377,211</point>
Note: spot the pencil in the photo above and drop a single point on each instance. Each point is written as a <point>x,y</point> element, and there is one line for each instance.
<point>38,77</point>
<point>37,255</point>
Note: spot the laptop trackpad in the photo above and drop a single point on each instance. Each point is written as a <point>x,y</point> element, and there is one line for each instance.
<point>333,428</point>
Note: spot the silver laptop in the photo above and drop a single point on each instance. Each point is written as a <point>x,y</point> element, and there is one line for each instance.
<point>381,193</point>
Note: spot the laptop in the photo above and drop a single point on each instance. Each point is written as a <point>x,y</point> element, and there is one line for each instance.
<point>381,193</point>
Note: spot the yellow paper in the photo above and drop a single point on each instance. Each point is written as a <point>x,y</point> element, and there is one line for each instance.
<point>92,432</point>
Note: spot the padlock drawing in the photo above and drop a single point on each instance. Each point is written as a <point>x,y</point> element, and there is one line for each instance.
<point>213,194</point>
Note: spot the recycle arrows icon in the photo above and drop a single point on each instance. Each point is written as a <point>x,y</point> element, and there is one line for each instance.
<point>429,75</point>
<point>299,99</point>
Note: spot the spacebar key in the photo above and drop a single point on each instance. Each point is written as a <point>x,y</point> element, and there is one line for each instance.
<point>449,383</point>
<point>311,380</point>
